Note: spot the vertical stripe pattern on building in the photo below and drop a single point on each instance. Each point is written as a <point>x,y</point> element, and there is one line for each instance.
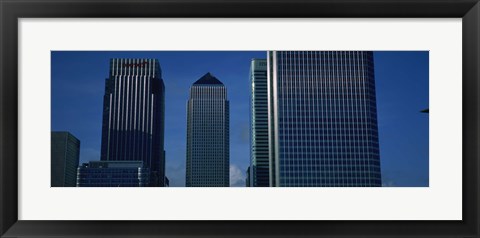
<point>259,159</point>
<point>323,119</point>
<point>208,153</point>
<point>133,115</point>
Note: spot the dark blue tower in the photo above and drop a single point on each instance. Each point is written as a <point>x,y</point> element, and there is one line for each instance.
<point>323,119</point>
<point>134,116</point>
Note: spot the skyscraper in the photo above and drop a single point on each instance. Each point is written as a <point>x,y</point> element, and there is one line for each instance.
<point>322,119</point>
<point>259,159</point>
<point>65,149</point>
<point>134,115</point>
<point>208,152</point>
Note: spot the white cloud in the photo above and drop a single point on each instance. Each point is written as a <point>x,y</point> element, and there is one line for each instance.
<point>237,176</point>
<point>388,184</point>
<point>176,175</point>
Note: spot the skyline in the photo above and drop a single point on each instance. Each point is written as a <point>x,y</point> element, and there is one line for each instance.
<point>233,68</point>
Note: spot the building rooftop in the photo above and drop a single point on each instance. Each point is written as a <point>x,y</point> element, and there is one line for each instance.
<point>113,164</point>
<point>208,78</point>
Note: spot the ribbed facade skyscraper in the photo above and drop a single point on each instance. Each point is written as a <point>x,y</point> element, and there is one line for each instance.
<point>134,115</point>
<point>208,143</point>
<point>323,119</point>
<point>259,159</point>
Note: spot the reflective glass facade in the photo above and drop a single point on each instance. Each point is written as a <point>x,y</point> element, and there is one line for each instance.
<point>208,152</point>
<point>323,119</point>
<point>113,174</point>
<point>65,149</point>
<point>133,115</point>
<point>259,158</point>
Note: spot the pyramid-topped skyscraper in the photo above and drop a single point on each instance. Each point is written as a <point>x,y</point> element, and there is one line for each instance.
<point>208,143</point>
<point>208,79</point>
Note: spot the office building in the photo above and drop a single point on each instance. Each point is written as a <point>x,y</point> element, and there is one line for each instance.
<point>113,174</point>
<point>65,153</point>
<point>134,116</point>
<point>208,134</point>
<point>259,155</point>
<point>322,119</point>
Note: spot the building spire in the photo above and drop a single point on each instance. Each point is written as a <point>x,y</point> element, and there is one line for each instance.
<point>208,78</point>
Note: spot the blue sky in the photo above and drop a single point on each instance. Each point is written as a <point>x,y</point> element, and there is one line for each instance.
<point>78,81</point>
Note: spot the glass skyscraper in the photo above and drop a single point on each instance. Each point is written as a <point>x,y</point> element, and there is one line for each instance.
<point>134,116</point>
<point>259,158</point>
<point>208,152</point>
<point>322,119</point>
<point>65,149</point>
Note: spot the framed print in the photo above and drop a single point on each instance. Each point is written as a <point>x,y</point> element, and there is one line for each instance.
<point>223,118</point>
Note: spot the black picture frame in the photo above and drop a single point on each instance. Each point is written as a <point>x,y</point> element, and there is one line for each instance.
<point>11,11</point>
